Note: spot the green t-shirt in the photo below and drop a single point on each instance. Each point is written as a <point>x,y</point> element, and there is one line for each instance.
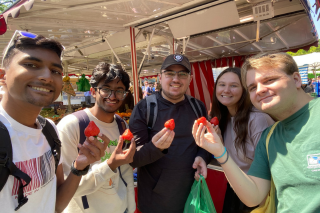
<point>294,154</point>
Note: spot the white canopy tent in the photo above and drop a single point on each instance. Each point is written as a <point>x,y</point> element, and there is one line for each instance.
<point>307,59</point>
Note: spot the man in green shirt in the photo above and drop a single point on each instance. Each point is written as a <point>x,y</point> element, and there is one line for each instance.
<point>274,85</point>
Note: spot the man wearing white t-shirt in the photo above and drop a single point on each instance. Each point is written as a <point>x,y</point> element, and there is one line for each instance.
<point>108,186</point>
<point>33,79</point>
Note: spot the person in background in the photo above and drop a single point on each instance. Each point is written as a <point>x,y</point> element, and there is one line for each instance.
<point>146,89</point>
<point>156,86</point>
<point>128,103</point>
<point>87,96</point>
<point>241,126</point>
<point>292,160</point>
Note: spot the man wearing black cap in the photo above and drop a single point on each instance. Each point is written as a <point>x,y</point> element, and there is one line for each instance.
<point>168,160</point>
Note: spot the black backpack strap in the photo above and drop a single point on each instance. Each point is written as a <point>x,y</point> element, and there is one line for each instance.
<point>121,126</point>
<point>52,138</point>
<point>152,110</point>
<point>195,106</point>
<point>84,121</point>
<point>7,167</point>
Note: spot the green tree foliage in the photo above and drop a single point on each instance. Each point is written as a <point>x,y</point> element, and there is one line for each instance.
<point>4,4</point>
<point>303,52</point>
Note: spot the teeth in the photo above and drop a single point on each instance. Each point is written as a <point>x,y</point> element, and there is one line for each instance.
<point>41,89</point>
<point>176,86</point>
<point>112,102</point>
<point>226,96</point>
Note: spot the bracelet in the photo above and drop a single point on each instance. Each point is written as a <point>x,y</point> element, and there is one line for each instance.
<point>225,160</point>
<point>225,149</point>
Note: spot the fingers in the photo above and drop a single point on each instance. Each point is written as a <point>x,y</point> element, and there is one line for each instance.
<point>209,127</point>
<point>120,144</point>
<point>129,153</point>
<point>96,146</point>
<point>87,153</point>
<point>196,176</point>
<point>94,150</point>
<point>198,135</point>
<point>105,139</point>
<point>157,136</point>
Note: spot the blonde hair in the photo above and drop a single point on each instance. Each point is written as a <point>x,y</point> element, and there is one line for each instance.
<point>281,61</point>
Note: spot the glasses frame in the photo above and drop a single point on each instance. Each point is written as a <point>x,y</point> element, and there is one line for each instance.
<point>23,34</point>
<point>176,73</point>
<point>114,92</point>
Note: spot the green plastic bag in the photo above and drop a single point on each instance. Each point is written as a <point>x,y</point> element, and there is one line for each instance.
<point>83,84</point>
<point>199,200</point>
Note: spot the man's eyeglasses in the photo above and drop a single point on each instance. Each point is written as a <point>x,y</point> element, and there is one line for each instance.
<point>181,74</point>
<point>106,93</point>
<point>19,34</point>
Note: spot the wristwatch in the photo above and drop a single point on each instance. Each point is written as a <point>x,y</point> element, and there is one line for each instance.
<point>79,172</point>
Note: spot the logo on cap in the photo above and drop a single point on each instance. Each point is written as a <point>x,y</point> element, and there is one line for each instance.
<point>178,58</point>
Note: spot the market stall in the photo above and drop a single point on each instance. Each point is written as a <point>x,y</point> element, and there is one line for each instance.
<point>139,34</point>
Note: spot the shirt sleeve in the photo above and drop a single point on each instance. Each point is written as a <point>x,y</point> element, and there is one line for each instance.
<point>127,174</point>
<point>146,152</point>
<point>97,175</point>
<point>260,166</point>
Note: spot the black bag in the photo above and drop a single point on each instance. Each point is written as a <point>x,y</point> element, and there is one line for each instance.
<point>7,167</point>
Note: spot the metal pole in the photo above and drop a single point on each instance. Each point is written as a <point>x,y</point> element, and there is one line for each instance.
<point>134,65</point>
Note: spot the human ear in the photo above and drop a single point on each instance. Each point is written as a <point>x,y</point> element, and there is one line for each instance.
<point>297,79</point>
<point>93,92</point>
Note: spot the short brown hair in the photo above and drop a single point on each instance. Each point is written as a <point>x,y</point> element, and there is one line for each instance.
<point>282,61</point>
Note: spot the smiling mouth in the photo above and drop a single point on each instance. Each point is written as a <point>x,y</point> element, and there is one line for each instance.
<point>224,96</point>
<point>41,89</point>
<point>176,86</point>
<point>265,98</point>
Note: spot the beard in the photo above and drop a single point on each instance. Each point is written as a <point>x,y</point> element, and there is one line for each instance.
<point>40,102</point>
<point>108,109</point>
<point>173,97</point>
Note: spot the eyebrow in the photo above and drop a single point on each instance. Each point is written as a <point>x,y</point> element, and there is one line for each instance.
<point>230,82</point>
<point>31,58</point>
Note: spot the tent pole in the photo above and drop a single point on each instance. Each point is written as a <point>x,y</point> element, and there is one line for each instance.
<point>134,65</point>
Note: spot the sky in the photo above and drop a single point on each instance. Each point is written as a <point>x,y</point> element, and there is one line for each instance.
<point>315,17</point>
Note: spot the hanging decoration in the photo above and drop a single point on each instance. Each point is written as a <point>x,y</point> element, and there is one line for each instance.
<point>67,87</point>
<point>83,84</point>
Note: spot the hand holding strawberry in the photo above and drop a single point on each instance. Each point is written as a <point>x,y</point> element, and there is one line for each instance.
<point>214,121</point>
<point>170,124</point>
<point>91,130</point>
<point>201,120</point>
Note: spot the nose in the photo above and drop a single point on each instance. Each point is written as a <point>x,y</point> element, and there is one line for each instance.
<point>260,89</point>
<point>112,95</point>
<point>46,75</point>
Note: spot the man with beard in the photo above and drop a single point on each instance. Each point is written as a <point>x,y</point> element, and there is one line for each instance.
<point>32,80</point>
<point>167,159</point>
<point>108,186</point>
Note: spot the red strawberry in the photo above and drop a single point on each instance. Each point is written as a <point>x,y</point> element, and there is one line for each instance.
<point>214,121</point>
<point>201,120</point>
<point>170,124</point>
<point>91,130</point>
<point>127,136</point>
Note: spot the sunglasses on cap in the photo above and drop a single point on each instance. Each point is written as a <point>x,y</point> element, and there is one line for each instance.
<point>17,35</point>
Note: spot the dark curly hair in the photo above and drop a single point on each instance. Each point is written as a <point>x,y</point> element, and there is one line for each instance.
<point>23,43</point>
<point>108,73</point>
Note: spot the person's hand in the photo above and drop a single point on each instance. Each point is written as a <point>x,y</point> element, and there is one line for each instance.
<point>120,157</point>
<point>201,167</point>
<point>218,131</point>
<point>163,139</point>
<point>91,151</point>
<point>209,141</point>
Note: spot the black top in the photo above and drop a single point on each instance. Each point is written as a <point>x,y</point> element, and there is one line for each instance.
<point>165,178</point>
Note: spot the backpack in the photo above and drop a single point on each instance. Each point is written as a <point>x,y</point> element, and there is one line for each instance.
<point>152,109</point>
<point>84,120</point>
<point>7,167</point>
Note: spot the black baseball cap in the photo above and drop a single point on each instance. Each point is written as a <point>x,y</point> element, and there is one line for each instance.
<point>176,59</point>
